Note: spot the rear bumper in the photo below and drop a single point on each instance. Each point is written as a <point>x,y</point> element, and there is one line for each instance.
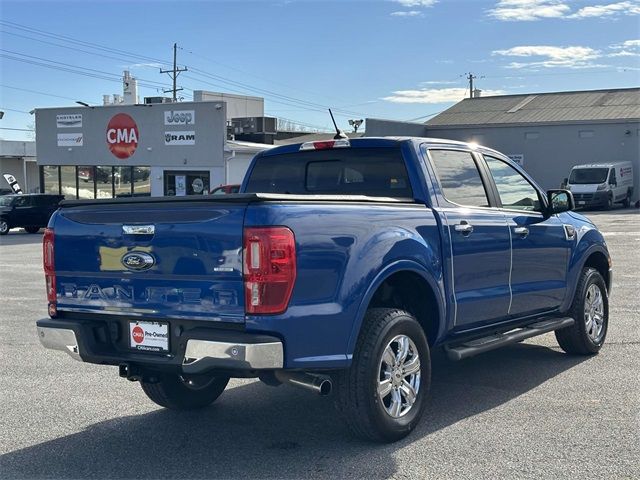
<point>196,351</point>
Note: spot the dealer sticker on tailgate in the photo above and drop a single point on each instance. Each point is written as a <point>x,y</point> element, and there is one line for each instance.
<point>149,336</point>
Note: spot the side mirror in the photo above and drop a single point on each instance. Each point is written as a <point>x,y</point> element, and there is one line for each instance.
<point>559,201</point>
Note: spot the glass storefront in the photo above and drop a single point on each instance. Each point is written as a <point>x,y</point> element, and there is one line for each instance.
<point>68,180</point>
<point>104,182</point>
<point>50,180</point>
<point>181,183</point>
<point>95,182</point>
<point>86,185</point>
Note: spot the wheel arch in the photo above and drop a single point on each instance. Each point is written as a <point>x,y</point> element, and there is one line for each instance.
<point>596,257</point>
<point>407,285</point>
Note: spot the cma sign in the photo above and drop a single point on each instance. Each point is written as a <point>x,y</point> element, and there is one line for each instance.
<point>122,135</point>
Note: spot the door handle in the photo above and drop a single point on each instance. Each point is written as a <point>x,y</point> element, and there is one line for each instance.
<point>464,228</point>
<point>522,231</point>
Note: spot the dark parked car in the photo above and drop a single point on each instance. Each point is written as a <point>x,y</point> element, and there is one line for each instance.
<point>30,212</point>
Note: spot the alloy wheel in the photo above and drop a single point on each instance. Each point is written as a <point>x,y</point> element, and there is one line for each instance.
<point>399,376</point>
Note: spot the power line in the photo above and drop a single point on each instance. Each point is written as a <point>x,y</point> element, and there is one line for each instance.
<point>266,93</point>
<point>13,110</point>
<point>37,92</point>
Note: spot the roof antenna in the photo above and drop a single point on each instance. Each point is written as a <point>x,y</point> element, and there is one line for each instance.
<point>339,133</point>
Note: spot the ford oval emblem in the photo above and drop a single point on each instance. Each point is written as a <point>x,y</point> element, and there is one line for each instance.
<point>138,261</point>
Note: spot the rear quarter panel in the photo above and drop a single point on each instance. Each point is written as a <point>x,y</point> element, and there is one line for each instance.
<point>343,252</point>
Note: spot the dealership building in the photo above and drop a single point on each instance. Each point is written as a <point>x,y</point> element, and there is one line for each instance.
<point>547,133</point>
<point>154,148</point>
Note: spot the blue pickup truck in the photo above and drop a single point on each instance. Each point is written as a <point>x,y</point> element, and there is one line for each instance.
<point>339,266</point>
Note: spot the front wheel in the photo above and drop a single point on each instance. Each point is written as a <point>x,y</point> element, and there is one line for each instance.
<point>4,227</point>
<point>590,310</point>
<point>178,392</point>
<point>384,393</point>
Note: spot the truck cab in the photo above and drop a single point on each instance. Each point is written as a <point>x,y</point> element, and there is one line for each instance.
<point>602,184</point>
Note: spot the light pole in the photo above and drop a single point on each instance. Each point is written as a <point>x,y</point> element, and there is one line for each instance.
<point>356,124</point>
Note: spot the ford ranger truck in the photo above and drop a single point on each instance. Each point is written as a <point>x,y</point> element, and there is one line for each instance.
<point>339,266</point>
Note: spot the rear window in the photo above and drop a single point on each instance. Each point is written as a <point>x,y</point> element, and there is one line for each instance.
<point>350,171</point>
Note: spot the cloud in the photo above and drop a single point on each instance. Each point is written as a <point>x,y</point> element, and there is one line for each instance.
<point>531,10</point>
<point>407,13</point>
<point>439,82</point>
<point>434,95</point>
<point>546,56</point>
<point>528,10</point>
<point>609,10</point>
<point>416,3</point>
<point>629,48</point>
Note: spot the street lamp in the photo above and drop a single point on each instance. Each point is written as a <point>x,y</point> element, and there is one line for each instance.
<point>355,124</point>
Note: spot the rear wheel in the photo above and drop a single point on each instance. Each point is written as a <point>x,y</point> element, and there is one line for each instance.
<point>590,310</point>
<point>178,392</point>
<point>626,203</point>
<point>384,393</point>
<point>32,229</point>
<point>4,227</point>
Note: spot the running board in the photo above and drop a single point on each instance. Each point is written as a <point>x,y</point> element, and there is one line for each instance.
<point>484,344</point>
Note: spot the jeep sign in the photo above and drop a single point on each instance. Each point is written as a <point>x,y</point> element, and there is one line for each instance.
<point>122,135</point>
<point>180,117</point>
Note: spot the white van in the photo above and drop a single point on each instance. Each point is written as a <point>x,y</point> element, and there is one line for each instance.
<point>602,184</point>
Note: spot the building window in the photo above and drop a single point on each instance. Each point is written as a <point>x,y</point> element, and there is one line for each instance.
<point>141,181</point>
<point>68,182</point>
<point>586,134</point>
<point>181,183</point>
<point>104,182</point>
<point>122,181</point>
<point>531,135</point>
<point>86,184</point>
<point>50,179</point>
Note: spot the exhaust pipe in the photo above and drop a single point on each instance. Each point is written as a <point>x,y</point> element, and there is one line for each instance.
<point>319,385</point>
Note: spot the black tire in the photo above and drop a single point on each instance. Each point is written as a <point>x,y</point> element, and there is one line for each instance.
<point>178,393</point>
<point>32,229</point>
<point>576,339</point>
<point>4,226</point>
<point>357,397</point>
<point>609,204</point>
<point>626,203</point>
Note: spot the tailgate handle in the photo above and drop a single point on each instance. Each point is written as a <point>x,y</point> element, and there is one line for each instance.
<point>138,229</point>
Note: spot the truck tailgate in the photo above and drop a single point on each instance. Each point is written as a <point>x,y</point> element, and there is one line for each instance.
<point>151,259</point>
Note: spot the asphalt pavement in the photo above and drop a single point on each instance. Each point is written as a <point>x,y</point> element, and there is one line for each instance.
<point>526,411</point>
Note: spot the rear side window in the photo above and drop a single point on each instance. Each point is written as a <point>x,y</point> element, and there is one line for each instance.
<point>350,171</point>
<point>459,178</point>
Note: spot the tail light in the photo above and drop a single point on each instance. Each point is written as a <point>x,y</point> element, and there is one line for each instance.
<point>269,269</point>
<point>49,268</point>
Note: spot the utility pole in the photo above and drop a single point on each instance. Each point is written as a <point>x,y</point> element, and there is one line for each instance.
<point>471,77</point>
<point>174,73</point>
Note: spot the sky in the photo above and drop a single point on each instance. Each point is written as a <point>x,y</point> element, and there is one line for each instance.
<point>393,59</point>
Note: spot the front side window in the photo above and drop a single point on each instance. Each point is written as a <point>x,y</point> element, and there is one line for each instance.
<point>612,177</point>
<point>22,201</point>
<point>459,178</point>
<point>516,193</point>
